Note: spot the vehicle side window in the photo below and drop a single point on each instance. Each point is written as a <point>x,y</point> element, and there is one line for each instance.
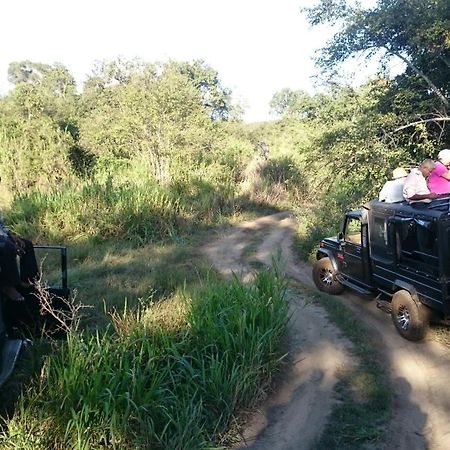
<point>418,245</point>
<point>353,231</point>
<point>379,237</point>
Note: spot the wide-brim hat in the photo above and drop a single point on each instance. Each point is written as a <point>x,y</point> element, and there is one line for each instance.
<point>399,172</point>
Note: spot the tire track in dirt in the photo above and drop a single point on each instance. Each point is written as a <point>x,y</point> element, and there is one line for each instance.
<point>294,416</point>
<point>419,374</point>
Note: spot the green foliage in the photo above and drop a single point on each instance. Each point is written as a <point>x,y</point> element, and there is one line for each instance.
<point>345,153</point>
<point>145,385</point>
<point>37,126</point>
<point>155,116</point>
<point>102,210</point>
<point>32,152</point>
<point>136,156</point>
<point>216,99</point>
<point>413,31</point>
<point>43,90</point>
<point>289,103</point>
<point>361,135</point>
<point>129,205</point>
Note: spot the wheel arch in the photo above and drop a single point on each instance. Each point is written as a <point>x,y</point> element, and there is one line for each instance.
<point>325,253</point>
<point>404,285</point>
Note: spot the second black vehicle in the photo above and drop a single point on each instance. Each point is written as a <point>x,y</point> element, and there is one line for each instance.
<point>396,251</point>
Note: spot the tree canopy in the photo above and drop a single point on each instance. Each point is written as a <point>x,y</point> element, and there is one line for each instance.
<point>417,32</point>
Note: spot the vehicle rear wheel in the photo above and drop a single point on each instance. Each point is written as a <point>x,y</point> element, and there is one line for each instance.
<point>410,319</point>
<point>325,278</point>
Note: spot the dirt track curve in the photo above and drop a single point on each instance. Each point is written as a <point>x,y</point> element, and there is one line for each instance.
<point>294,416</point>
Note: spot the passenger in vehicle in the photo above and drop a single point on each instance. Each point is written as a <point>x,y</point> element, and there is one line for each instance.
<point>439,180</point>
<point>9,274</point>
<point>415,189</point>
<point>24,249</point>
<point>11,246</point>
<point>392,191</point>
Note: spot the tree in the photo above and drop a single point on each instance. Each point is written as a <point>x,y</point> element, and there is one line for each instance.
<point>216,98</point>
<point>27,72</point>
<point>158,114</point>
<point>33,149</point>
<point>43,89</point>
<point>417,32</point>
<point>289,103</point>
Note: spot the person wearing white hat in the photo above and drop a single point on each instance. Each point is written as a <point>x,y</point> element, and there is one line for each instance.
<point>439,180</point>
<point>392,191</point>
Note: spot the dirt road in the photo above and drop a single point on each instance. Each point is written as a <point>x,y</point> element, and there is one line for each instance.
<point>294,416</point>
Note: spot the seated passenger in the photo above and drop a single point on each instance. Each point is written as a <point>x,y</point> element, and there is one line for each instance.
<point>392,191</point>
<point>439,180</point>
<point>11,246</point>
<point>415,189</point>
<point>9,274</point>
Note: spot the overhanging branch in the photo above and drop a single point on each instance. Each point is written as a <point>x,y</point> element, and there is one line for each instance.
<point>418,122</point>
<point>421,74</point>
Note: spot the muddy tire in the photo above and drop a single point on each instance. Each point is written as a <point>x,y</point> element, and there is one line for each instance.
<point>325,278</point>
<point>411,320</point>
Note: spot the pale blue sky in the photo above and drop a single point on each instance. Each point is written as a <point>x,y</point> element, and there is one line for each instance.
<point>258,47</point>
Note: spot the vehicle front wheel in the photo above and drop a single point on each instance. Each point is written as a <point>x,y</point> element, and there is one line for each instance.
<point>410,319</point>
<point>325,278</point>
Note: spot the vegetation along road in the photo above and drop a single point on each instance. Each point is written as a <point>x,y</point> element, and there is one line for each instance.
<point>296,414</point>
<point>136,169</point>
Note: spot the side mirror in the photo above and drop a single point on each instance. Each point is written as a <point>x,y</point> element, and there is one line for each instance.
<point>340,235</point>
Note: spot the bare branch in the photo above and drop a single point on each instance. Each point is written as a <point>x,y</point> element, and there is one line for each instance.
<point>421,74</point>
<point>66,318</point>
<point>418,122</point>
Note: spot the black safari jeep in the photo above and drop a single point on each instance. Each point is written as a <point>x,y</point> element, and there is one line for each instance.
<point>21,320</point>
<point>395,250</point>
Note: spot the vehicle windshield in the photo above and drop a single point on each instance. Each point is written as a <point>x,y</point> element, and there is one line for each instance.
<point>353,230</point>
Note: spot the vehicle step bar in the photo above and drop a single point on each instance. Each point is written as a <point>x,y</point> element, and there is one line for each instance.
<point>355,287</point>
<point>384,305</point>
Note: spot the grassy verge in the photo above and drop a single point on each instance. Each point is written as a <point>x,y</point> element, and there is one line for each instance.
<point>169,376</point>
<point>363,410</point>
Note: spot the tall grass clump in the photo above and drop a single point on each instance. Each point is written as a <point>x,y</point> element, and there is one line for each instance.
<point>108,209</point>
<point>137,209</point>
<point>148,384</point>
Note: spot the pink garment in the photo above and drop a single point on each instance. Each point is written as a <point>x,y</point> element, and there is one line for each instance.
<point>436,182</point>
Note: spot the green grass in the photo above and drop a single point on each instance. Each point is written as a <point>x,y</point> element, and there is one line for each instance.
<point>363,410</point>
<point>141,322</point>
<point>143,384</point>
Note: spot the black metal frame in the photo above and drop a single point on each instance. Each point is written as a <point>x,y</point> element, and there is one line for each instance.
<point>63,251</point>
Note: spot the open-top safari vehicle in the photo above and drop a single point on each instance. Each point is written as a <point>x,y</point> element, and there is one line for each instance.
<point>398,251</point>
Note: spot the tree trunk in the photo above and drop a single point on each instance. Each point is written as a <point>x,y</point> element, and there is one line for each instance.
<point>431,85</point>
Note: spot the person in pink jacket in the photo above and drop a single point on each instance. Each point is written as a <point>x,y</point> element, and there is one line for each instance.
<point>439,179</point>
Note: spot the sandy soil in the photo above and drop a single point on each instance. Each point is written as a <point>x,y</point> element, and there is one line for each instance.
<point>294,416</point>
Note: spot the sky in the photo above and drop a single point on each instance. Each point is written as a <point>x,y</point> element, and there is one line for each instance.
<point>258,47</point>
